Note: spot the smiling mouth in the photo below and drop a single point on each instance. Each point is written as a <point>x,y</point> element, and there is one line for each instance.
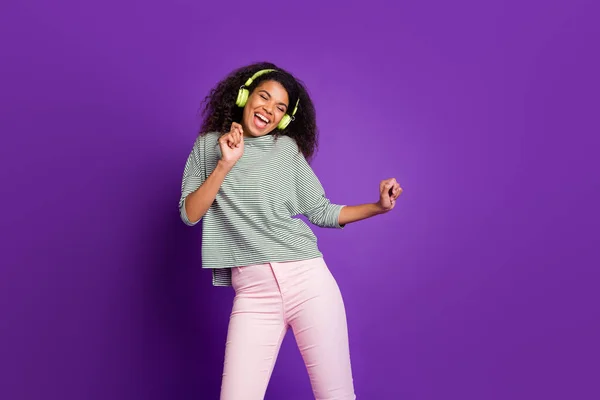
<point>262,117</point>
<point>260,120</point>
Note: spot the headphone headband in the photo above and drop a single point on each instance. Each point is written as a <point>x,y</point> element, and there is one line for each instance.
<point>256,75</point>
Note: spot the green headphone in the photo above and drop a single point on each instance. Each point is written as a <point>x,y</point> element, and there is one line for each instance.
<point>244,93</point>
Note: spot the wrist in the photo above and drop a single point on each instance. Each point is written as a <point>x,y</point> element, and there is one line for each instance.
<point>379,208</point>
<point>224,166</point>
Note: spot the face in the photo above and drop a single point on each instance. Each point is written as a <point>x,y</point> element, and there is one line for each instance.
<point>266,105</point>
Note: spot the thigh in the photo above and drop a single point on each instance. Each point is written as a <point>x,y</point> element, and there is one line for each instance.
<point>320,329</point>
<point>256,330</point>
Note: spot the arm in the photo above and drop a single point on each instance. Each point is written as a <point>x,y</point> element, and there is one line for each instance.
<point>197,194</point>
<point>320,211</point>
<point>389,190</point>
<point>350,214</point>
<point>197,203</point>
<point>310,198</point>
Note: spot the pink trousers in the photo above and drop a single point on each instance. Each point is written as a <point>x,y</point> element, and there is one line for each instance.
<point>271,297</point>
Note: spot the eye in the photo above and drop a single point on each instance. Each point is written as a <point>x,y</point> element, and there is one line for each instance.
<point>264,97</point>
<point>281,109</point>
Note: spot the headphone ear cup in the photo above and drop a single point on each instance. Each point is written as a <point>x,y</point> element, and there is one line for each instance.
<point>242,97</point>
<point>285,121</point>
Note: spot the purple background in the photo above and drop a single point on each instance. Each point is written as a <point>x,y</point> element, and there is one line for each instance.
<point>481,284</point>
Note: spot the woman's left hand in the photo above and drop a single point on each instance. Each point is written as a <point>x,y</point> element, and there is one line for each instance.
<point>389,191</point>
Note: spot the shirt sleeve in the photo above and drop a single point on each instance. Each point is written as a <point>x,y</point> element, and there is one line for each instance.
<point>194,175</point>
<point>312,201</point>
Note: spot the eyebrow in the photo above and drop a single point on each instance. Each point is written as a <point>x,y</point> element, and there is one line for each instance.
<point>269,94</point>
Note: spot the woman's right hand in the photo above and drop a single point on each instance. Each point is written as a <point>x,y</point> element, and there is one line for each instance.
<point>232,145</point>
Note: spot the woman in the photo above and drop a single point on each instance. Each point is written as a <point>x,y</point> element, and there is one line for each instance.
<point>247,177</point>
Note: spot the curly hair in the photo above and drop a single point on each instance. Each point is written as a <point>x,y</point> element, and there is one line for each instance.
<point>220,110</point>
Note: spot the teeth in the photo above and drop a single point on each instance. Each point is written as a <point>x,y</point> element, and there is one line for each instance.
<point>262,117</point>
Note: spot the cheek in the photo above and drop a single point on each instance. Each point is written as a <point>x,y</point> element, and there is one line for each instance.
<point>248,110</point>
<point>254,101</point>
<point>279,115</point>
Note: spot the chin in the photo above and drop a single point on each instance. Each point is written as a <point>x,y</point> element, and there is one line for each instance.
<point>258,134</point>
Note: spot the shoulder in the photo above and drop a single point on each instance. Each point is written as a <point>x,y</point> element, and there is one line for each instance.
<point>288,145</point>
<point>206,141</point>
<point>207,138</point>
<point>291,153</point>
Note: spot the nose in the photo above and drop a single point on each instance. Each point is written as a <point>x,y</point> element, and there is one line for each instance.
<point>268,107</point>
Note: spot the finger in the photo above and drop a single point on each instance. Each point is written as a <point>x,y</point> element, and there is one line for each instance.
<point>399,192</point>
<point>233,133</point>
<point>385,190</point>
<point>386,182</point>
<point>387,193</point>
<point>238,129</point>
<point>230,140</point>
<point>240,136</point>
<point>223,140</point>
<point>392,193</point>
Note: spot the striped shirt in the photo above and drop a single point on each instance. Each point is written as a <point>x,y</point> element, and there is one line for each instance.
<point>252,220</point>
